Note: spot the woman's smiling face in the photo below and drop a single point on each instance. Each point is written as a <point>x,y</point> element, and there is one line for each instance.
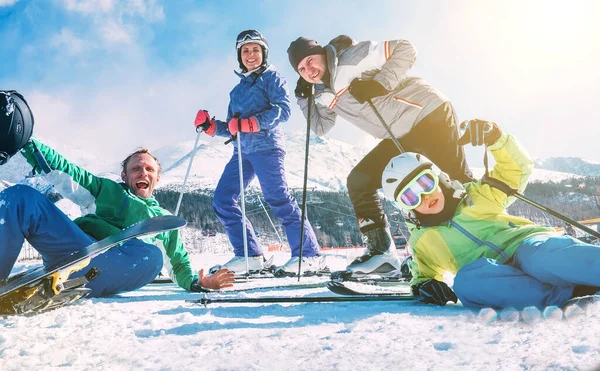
<point>252,56</point>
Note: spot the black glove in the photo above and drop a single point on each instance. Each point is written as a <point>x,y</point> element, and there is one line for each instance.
<point>434,292</point>
<point>479,132</point>
<point>303,88</point>
<point>363,90</point>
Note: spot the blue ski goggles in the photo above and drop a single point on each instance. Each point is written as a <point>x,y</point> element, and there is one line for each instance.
<point>424,183</point>
<point>249,36</point>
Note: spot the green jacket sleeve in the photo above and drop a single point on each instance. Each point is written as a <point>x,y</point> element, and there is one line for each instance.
<point>179,266</point>
<point>57,162</point>
<point>431,256</point>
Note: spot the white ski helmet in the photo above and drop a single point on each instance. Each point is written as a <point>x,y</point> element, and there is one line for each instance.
<point>405,167</point>
<point>251,36</point>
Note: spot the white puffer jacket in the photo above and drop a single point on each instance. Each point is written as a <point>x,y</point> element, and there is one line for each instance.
<point>410,98</point>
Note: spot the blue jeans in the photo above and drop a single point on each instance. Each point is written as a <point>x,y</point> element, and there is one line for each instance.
<point>268,167</point>
<point>27,214</point>
<point>542,272</point>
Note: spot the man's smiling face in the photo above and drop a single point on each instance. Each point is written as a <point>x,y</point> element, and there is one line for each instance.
<point>142,174</point>
<point>312,68</point>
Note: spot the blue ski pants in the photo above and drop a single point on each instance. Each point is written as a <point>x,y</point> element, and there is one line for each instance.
<point>27,214</point>
<point>543,272</point>
<point>268,167</point>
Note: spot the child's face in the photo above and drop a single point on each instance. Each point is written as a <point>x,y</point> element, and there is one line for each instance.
<point>252,56</point>
<point>312,68</point>
<point>433,203</point>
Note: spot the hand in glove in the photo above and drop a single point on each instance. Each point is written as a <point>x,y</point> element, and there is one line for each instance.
<point>218,280</point>
<point>363,90</point>
<point>434,292</point>
<point>479,132</point>
<point>303,88</point>
<point>244,125</point>
<point>204,122</point>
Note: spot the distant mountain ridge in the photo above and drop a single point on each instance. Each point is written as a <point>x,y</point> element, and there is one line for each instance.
<point>573,165</point>
<point>330,162</point>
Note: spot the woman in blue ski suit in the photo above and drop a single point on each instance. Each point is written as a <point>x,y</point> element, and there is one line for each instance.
<point>258,105</point>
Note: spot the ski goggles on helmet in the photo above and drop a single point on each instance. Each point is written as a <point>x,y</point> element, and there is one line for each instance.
<point>424,183</point>
<point>249,36</point>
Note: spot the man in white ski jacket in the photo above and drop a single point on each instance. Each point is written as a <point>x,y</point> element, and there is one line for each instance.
<point>347,75</point>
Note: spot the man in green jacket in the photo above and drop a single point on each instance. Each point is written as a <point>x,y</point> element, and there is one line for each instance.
<point>27,214</point>
<point>499,260</point>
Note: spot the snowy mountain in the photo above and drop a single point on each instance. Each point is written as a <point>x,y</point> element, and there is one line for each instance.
<point>330,162</point>
<point>573,165</point>
<point>17,168</point>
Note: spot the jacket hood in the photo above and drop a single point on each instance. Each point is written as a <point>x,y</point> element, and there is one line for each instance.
<point>342,43</point>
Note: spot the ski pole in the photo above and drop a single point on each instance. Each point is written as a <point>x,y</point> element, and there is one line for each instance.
<point>513,192</point>
<point>242,193</point>
<point>303,214</point>
<point>270,220</point>
<point>187,173</point>
<point>503,187</point>
<point>386,126</point>
<point>40,159</point>
<point>319,299</point>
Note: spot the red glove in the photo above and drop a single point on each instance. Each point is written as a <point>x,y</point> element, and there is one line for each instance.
<point>204,122</point>
<point>245,125</point>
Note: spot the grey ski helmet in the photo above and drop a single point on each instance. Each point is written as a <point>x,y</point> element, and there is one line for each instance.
<point>16,124</point>
<point>251,36</point>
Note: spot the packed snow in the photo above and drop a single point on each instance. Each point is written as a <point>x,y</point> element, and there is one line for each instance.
<point>155,329</point>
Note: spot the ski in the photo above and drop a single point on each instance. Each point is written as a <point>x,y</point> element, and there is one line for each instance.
<point>293,286</point>
<point>320,299</point>
<point>253,278</point>
<point>269,274</point>
<point>371,289</point>
<point>47,287</point>
<point>374,278</point>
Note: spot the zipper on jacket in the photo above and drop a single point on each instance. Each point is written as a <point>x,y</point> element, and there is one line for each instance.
<point>477,240</point>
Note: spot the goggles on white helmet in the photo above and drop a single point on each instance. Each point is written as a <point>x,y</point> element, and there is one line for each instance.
<point>409,176</point>
<point>410,197</point>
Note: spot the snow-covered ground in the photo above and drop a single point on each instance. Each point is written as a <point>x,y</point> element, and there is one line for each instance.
<point>155,329</point>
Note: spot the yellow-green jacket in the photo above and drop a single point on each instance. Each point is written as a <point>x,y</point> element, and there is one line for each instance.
<point>481,228</point>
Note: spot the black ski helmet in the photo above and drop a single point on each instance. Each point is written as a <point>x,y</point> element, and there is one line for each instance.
<point>16,124</point>
<point>251,36</point>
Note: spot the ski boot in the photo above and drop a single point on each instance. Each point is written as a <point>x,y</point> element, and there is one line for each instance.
<point>51,292</point>
<point>379,260</point>
<point>583,296</point>
<point>311,266</point>
<point>256,265</point>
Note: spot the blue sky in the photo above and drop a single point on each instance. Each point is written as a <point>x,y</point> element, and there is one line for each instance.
<point>109,76</point>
